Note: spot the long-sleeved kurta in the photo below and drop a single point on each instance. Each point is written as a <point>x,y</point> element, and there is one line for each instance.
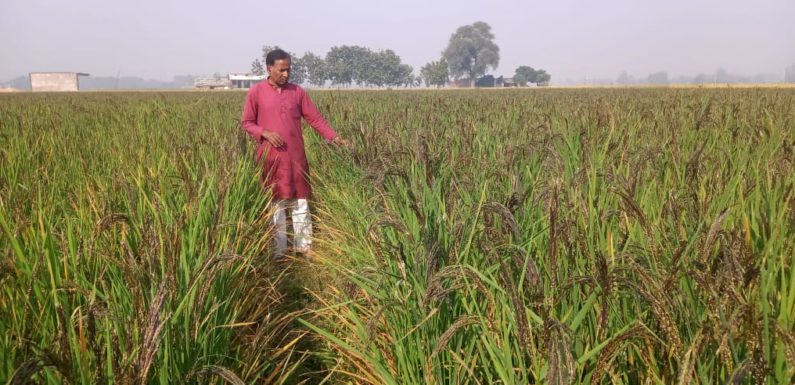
<point>286,169</point>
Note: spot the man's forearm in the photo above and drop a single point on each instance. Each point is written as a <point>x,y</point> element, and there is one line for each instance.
<point>253,130</point>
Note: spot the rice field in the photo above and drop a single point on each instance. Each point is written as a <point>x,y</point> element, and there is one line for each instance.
<point>559,236</point>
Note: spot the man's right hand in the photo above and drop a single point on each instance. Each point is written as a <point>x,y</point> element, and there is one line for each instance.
<point>273,138</point>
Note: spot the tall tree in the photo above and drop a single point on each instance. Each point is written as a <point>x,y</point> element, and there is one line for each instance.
<point>471,51</point>
<point>435,73</point>
<point>346,64</point>
<point>316,73</point>
<point>354,64</point>
<point>257,67</point>
<point>388,70</point>
<point>298,70</point>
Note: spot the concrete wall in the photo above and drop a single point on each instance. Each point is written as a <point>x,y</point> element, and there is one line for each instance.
<point>53,81</point>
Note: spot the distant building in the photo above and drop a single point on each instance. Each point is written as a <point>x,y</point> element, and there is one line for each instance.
<point>230,81</point>
<point>211,83</point>
<point>55,81</point>
<point>245,80</point>
<point>487,81</point>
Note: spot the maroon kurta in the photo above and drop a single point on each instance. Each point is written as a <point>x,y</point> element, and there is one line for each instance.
<point>286,168</point>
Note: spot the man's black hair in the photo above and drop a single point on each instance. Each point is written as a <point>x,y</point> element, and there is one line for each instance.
<point>277,54</point>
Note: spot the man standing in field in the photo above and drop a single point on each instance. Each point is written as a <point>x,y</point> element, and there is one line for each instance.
<point>272,116</point>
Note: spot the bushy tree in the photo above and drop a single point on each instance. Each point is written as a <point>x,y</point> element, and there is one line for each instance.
<point>316,72</point>
<point>542,78</point>
<point>298,70</point>
<point>435,73</point>
<point>524,75</point>
<point>520,80</point>
<point>347,65</point>
<point>471,51</point>
<point>384,68</point>
<point>527,74</point>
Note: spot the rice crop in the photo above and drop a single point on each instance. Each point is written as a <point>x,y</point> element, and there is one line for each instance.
<point>565,236</point>
<point>577,236</point>
<point>134,244</point>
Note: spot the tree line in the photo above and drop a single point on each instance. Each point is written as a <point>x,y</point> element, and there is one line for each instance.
<point>470,52</point>
<point>346,65</point>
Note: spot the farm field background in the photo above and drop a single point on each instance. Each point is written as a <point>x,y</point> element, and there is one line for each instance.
<point>562,236</point>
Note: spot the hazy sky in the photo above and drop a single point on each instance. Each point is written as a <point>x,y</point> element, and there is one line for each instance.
<point>572,39</point>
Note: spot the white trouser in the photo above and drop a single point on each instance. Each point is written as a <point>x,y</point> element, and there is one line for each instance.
<point>302,224</point>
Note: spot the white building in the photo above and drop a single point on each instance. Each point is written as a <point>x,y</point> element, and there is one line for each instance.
<point>230,81</point>
<point>245,80</point>
<point>211,83</point>
<point>55,81</point>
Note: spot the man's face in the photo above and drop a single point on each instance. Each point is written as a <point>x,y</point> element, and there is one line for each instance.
<point>280,72</point>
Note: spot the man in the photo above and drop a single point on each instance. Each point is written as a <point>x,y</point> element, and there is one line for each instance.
<point>272,116</point>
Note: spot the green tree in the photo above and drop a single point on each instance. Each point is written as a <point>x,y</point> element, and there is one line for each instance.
<point>257,67</point>
<point>316,72</point>
<point>388,70</point>
<point>520,80</point>
<point>471,51</point>
<point>298,70</point>
<point>435,73</point>
<point>346,64</point>
<point>368,68</point>
<point>524,75</point>
<point>542,78</point>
